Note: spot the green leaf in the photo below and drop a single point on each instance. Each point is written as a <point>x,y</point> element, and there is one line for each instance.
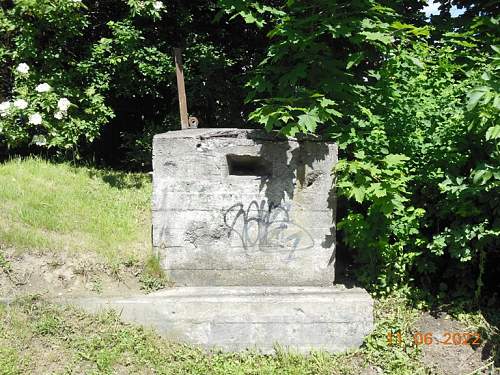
<point>475,96</point>
<point>309,121</point>
<point>250,18</point>
<point>418,31</point>
<point>325,102</point>
<point>359,194</point>
<point>493,132</point>
<point>379,193</point>
<point>482,176</point>
<point>496,102</point>
<point>417,62</point>
<point>486,76</point>
<point>354,59</point>
<point>360,155</point>
<point>333,112</point>
<point>395,159</point>
<point>290,129</point>
<point>378,36</point>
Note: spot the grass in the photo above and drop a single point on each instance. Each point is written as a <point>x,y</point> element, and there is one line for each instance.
<point>153,277</point>
<point>37,337</point>
<point>58,207</point>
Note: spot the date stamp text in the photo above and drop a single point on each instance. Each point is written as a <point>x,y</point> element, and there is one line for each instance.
<point>444,338</point>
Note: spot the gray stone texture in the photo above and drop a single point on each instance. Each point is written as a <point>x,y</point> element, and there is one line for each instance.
<point>236,318</point>
<point>237,207</point>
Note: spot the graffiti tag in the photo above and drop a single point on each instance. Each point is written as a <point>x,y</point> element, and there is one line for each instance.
<point>268,227</point>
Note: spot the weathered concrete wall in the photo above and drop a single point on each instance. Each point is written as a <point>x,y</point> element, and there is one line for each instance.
<point>241,207</point>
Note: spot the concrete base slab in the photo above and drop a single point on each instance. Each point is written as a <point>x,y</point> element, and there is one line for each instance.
<point>236,318</point>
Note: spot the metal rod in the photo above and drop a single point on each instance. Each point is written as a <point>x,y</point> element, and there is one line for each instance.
<point>181,89</point>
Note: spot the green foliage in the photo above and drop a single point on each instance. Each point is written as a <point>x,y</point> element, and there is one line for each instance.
<point>111,63</point>
<point>391,345</point>
<point>51,54</point>
<point>9,364</point>
<point>303,81</point>
<point>416,120</point>
<point>389,225</point>
<point>432,105</point>
<point>153,276</point>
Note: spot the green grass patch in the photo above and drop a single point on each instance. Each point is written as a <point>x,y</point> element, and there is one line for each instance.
<point>59,207</point>
<point>44,338</point>
<point>393,316</point>
<point>153,277</point>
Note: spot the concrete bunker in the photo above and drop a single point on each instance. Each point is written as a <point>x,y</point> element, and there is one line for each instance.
<point>236,207</point>
<point>244,225</point>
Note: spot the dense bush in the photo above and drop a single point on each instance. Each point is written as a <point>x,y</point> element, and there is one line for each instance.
<point>424,177</point>
<point>110,63</point>
<point>52,102</point>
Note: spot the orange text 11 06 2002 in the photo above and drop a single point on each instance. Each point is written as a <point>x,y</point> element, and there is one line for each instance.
<point>443,338</point>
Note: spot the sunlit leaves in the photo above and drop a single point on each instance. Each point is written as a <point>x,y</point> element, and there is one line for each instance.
<point>475,96</point>
<point>493,133</point>
<point>308,121</point>
<point>377,36</point>
<point>303,58</point>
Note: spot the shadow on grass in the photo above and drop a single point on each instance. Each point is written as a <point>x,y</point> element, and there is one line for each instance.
<point>120,179</point>
<point>117,178</point>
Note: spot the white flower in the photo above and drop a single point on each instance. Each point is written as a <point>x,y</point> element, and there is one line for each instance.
<point>20,103</point>
<point>158,5</point>
<point>59,115</point>
<point>63,104</point>
<point>43,87</point>
<point>35,119</point>
<point>4,106</point>
<point>23,68</point>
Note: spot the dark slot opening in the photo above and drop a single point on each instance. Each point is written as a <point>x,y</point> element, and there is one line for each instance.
<point>247,165</point>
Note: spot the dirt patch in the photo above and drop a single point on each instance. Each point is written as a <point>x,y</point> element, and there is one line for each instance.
<point>450,347</point>
<point>56,274</point>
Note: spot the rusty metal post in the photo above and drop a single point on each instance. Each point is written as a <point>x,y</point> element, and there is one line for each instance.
<point>181,89</point>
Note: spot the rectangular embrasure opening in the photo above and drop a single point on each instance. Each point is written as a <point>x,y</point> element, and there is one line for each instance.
<point>248,165</point>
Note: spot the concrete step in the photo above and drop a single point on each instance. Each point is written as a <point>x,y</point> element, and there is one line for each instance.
<point>302,319</point>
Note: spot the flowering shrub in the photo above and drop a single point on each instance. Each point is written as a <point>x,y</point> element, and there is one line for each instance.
<point>49,102</point>
<point>69,68</point>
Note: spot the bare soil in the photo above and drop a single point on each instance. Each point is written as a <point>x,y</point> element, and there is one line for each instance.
<point>450,352</point>
<point>57,274</point>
